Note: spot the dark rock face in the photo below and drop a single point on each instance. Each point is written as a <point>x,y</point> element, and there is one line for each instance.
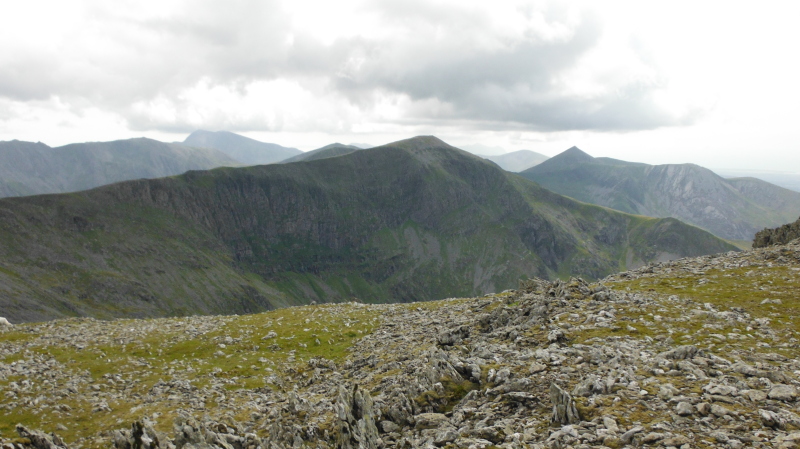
<point>777,236</point>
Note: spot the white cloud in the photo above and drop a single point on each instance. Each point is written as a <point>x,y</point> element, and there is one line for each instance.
<point>507,73</point>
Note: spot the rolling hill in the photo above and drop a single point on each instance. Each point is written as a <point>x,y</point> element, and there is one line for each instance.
<point>243,149</point>
<point>28,168</point>
<point>411,220</point>
<point>730,208</point>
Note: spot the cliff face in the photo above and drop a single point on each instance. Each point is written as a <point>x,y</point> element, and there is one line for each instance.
<point>732,209</point>
<point>412,220</point>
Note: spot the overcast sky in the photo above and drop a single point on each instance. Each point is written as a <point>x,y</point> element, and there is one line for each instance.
<point>714,83</point>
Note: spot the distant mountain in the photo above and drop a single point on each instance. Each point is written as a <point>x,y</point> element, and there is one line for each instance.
<point>243,149</point>
<point>28,168</point>
<point>518,161</point>
<point>332,150</point>
<point>786,180</point>
<point>412,220</point>
<point>363,146</point>
<point>730,208</point>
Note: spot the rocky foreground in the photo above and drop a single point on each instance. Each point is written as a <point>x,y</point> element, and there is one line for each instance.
<point>692,353</point>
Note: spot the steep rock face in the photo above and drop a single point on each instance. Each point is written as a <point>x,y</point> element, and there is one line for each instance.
<point>732,209</point>
<point>28,168</point>
<point>243,149</point>
<point>777,236</point>
<point>412,220</point>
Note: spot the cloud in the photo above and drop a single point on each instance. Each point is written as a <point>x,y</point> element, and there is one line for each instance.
<point>254,65</point>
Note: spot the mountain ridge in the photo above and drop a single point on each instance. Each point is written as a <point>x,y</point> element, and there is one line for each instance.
<point>28,168</point>
<point>411,220</point>
<point>732,209</point>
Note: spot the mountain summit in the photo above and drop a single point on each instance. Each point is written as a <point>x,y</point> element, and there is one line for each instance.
<point>243,149</point>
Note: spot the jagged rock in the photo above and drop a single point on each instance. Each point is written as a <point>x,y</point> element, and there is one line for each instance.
<point>564,409</point>
<point>140,436</point>
<point>355,420</point>
<point>591,385</point>
<point>453,336</point>
<point>777,236</point>
<point>35,439</point>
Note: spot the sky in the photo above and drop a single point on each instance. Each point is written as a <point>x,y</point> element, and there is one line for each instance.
<point>712,83</point>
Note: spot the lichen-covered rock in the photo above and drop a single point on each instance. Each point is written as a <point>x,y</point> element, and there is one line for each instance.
<point>777,236</point>
<point>564,409</point>
<point>355,419</point>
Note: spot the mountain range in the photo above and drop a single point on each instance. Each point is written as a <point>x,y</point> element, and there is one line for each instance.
<point>28,168</point>
<point>411,220</point>
<point>730,208</point>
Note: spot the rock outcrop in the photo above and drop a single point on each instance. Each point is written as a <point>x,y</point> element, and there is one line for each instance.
<point>777,236</point>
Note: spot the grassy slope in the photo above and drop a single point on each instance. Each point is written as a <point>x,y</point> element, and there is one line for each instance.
<point>414,220</point>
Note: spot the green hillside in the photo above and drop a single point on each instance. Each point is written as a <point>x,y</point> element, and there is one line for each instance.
<point>411,220</point>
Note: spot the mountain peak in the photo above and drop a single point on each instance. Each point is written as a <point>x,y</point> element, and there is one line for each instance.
<point>241,148</point>
<point>420,142</point>
<point>576,154</point>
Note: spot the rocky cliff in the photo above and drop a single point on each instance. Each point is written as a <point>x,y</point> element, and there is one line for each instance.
<point>698,352</point>
<point>733,209</point>
<point>777,236</point>
<point>408,221</point>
